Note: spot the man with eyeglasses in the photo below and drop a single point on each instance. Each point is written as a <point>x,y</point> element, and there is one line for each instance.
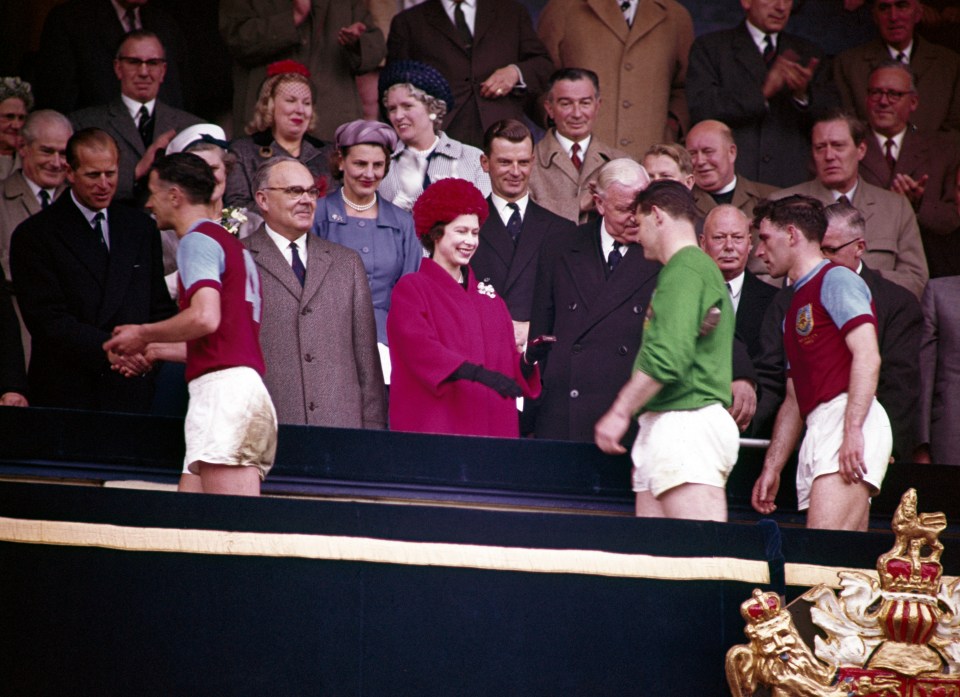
<point>917,165</point>
<point>231,426</point>
<point>138,120</point>
<point>78,44</point>
<point>936,68</point>
<point>319,334</point>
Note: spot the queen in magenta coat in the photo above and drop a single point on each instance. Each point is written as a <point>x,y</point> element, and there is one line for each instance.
<point>456,368</point>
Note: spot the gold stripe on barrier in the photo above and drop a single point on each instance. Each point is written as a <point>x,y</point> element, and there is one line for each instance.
<point>809,575</point>
<point>364,549</point>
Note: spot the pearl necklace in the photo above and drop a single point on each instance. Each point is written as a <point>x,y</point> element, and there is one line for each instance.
<point>358,206</point>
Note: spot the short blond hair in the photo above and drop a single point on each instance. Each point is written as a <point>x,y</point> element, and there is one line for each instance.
<point>263,111</point>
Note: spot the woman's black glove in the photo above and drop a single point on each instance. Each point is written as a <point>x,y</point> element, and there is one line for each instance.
<point>500,383</point>
<point>537,349</point>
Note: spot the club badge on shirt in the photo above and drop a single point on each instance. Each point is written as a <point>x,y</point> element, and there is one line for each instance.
<point>804,323</point>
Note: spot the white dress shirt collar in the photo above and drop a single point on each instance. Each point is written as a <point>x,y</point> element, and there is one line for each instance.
<point>759,37</point>
<point>35,189</point>
<point>133,107</point>
<point>894,52</point>
<point>897,143</point>
<point>606,241</point>
<point>567,144</point>
<point>735,285</point>
<point>469,8</point>
<point>283,244</point>
<point>505,211</point>
<point>90,213</point>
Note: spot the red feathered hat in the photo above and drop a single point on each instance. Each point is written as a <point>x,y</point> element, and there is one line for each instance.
<point>444,200</point>
<point>287,66</point>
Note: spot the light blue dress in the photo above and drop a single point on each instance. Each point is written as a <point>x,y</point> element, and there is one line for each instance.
<point>388,247</point>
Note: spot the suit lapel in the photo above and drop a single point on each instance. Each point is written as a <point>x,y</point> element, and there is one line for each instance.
<point>874,162</point>
<point>649,14</point>
<point>913,153</point>
<point>436,17</point>
<point>485,18</point>
<point>632,273</point>
<point>746,54</point>
<point>530,242</point>
<point>864,202</point>
<point>16,187</point>
<point>318,264</point>
<point>561,161</point>
<point>610,14</point>
<point>121,122</point>
<point>584,266</point>
<point>495,236</point>
<point>124,244</point>
<point>271,261</point>
<point>71,233</point>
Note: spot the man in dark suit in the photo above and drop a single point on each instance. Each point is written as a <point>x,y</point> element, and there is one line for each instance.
<point>764,84</point>
<point>936,68</point>
<point>899,327</point>
<point>488,52</point>
<point>327,315</point>
<point>13,377</point>
<point>921,166</point>
<point>138,120</point>
<point>513,235</point>
<point>80,268</point>
<point>79,42</point>
<point>592,292</point>
<point>726,239</point>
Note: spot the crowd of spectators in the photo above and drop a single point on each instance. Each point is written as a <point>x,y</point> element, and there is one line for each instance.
<point>558,125</point>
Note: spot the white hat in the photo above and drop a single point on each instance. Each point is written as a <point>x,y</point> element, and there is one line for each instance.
<point>208,132</point>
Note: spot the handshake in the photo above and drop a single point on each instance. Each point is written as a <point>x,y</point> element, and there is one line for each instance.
<point>502,384</point>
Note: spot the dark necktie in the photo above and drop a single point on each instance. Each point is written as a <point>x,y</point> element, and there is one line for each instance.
<point>888,149</point>
<point>769,50</point>
<point>102,251</point>
<point>298,269</point>
<point>843,199</point>
<point>902,57</point>
<point>461,23</point>
<point>426,172</point>
<point>515,222</point>
<point>44,198</point>
<point>615,257</point>
<point>575,156</point>
<point>130,19</point>
<point>145,126</point>
<point>625,9</point>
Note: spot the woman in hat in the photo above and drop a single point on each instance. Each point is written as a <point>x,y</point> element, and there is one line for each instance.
<point>16,99</point>
<point>456,368</point>
<point>416,97</point>
<point>356,216</point>
<point>283,115</point>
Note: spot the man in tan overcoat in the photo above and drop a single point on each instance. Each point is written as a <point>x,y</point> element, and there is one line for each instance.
<point>639,53</point>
